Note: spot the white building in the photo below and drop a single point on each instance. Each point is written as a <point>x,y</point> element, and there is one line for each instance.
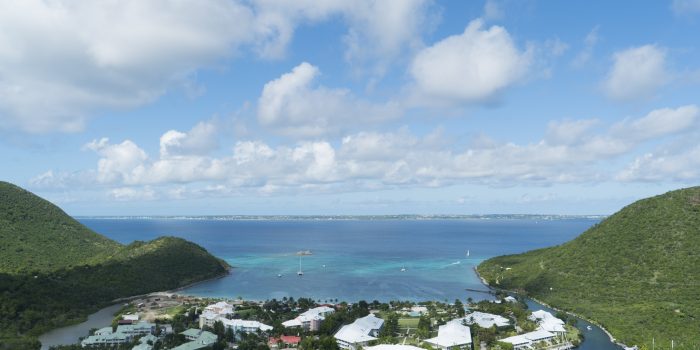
<point>547,322</point>
<point>245,326</point>
<point>310,319</point>
<point>123,334</point>
<point>510,299</point>
<point>360,332</point>
<point>484,320</point>
<point>130,317</point>
<point>452,336</point>
<point>527,340</point>
<point>213,312</point>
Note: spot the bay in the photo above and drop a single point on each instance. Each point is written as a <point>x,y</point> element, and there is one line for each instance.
<point>355,259</point>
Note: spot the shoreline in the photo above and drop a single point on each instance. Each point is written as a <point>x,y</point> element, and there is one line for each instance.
<point>610,336</point>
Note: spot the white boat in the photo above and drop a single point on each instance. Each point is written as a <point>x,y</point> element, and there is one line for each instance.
<point>589,328</point>
<point>403,269</point>
<point>279,275</point>
<point>467,252</point>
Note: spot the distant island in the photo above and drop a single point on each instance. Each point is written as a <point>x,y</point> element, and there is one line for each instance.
<point>54,271</point>
<point>635,273</point>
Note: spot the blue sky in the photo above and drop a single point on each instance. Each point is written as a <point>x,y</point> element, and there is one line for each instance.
<point>362,107</point>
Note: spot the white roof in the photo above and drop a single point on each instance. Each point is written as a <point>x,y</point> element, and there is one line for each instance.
<point>358,331</point>
<point>547,321</point>
<point>528,338</point>
<point>392,347</point>
<point>244,324</point>
<point>510,299</point>
<point>484,320</point>
<point>316,313</point>
<point>452,334</point>
<point>130,317</point>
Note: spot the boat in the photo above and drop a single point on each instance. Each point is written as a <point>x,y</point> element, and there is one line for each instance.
<point>467,252</point>
<point>279,275</point>
<point>403,269</point>
<point>300,273</point>
<point>589,328</point>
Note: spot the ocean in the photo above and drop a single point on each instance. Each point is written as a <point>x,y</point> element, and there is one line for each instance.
<point>351,260</point>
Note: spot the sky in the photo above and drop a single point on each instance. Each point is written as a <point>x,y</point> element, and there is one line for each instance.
<point>300,107</point>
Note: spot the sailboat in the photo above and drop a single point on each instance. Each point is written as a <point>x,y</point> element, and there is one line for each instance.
<point>467,252</point>
<point>403,268</point>
<point>300,273</point>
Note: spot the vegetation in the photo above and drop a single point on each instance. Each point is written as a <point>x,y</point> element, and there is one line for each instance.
<point>54,271</point>
<point>635,273</point>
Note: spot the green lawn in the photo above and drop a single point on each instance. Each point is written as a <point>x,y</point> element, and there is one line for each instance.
<point>411,322</point>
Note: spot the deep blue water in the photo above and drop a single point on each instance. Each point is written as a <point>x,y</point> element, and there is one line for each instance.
<point>363,258</point>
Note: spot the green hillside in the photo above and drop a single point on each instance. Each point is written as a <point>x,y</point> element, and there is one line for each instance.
<point>54,271</point>
<point>636,272</point>
<point>38,236</point>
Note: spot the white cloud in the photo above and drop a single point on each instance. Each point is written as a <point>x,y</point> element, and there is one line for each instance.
<point>123,162</point>
<point>378,31</point>
<point>472,67</point>
<point>636,73</point>
<point>61,61</point>
<point>201,139</point>
<point>573,151</point>
<point>685,7</point>
<point>658,123</point>
<point>294,106</point>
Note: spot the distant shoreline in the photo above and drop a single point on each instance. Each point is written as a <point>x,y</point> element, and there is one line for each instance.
<point>536,217</point>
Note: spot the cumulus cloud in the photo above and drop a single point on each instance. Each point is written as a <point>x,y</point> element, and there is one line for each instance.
<point>201,139</point>
<point>295,106</point>
<point>571,151</point>
<point>472,67</point>
<point>636,73</point>
<point>378,31</point>
<point>61,62</point>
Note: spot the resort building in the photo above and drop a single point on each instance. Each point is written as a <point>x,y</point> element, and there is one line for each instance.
<point>529,340</point>
<point>146,342</point>
<point>124,334</point>
<point>359,333</point>
<point>484,320</point>
<point>137,329</point>
<point>198,339</point>
<point>245,326</point>
<point>214,311</point>
<point>548,322</point>
<point>105,338</point>
<point>284,342</point>
<point>452,336</point>
<point>311,319</point>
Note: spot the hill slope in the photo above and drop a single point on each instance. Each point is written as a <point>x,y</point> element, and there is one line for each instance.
<point>54,271</point>
<point>636,272</point>
<point>30,229</point>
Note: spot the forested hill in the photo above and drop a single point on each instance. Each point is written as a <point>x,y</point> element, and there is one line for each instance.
<point>55,271</point>
<point>38,236</point>
<point>637,272</point>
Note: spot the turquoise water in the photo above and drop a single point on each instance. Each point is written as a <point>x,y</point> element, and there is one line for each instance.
<point>356,259</point>
<point>352,259</point>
